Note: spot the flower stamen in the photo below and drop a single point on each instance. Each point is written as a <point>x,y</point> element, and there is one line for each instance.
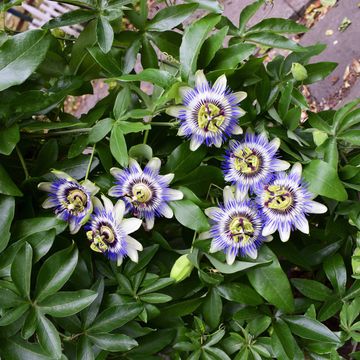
<point>278,198</point>
<point>210,117</point>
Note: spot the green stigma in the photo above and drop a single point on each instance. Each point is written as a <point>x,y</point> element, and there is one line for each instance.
<point>210,117</point>
<point>247,161</point>
<point>101,239</point>
<point>241,229</point>
<point>278,197</point>
<point>77,201</point>
<point>141,193</point>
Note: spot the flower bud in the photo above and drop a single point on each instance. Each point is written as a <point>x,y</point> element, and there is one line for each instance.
<point>181,269</point>
<point>298,72</point>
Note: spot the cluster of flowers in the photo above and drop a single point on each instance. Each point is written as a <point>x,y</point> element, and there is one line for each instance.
<point>266,198</point>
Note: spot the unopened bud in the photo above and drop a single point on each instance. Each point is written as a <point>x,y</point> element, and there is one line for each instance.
<point>181,269</point>
<point>298,72</point>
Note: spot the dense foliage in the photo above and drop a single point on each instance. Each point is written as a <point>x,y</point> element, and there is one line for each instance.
<point>59,299</point>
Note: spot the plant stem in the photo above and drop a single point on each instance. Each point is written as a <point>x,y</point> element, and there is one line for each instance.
<point>63,132</point>
<point>146,135</point>
<point>90,162</point>
<point>170,124</point>
<point>23,164</point>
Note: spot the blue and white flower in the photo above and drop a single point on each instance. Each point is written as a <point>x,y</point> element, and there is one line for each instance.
<point>251,162</point>
<point>109,233</point>
<point>145,192</point>
<point>209,113</point>
<point>286,201</point>
<point>72,200</point>
<point>237,226</point>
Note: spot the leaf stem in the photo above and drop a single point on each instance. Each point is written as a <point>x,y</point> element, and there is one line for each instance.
<point>23,164</point>
<point>155,123</point>
<point>90,162</point>
<point>63,132</point>
<point>146,135</point>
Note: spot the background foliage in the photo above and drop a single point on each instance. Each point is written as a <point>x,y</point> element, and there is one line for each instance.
<point>60,300</point>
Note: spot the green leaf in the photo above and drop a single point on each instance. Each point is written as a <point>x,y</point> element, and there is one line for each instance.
<point>115,317</point>
<point>350,136</point>
<point>7,186</point>
<point>319,71</point>
<point>308,328</point>
<point>170,17</point>
<point>323,180</point>
<point>122,103</point>
<point>157,285</point>
<point>89,314</point>
<point>9,298</point>
<point>312,289</point>
<point>335,271</point>
<point>161,78</point>
<point>128,127</point>
<point>70,18</point>
<point>21,270</point>
<point>273,40</point>
<point>66,303</point>
<point>279,26</point>
<point>271,282</point>
<point>247,13</point>
<point>189,215</point>
<point>13,314</point>
<point>17,349</point>
<point>9,137</point>
<point>131,56</point>
<point>21,55</point>
<point>107,61</point>
<point>285,99</point>
<point>212,308</point>
<point>182,160</point>
<point>55,272</point>
<point>104,33</point>
<point>235,267</point>
<point>232,56</point>
<point>7,211</point>
<point>149,58</point>
<point>167,41</point>
<point>211,45</point>
<point>49,338</point>
<point>194,37</point>
<point>30,323</point>
<point>239,293</point>
<point>345,120</point>
<point>113,342</point>
<point>155,298</point>
<point>145,257</point>
<point>84,350</point>
<point>210,5</point>
<point>118,146</point>
<point>100,130</point>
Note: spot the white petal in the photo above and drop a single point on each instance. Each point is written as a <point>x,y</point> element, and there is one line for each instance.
<point>218,142</point>
<point>134,243</point>
<point>45,186</point>
<point>47,204</point>
<point>194,144</point>
<point>241,111</point>
<point>62,175</point>
<point>214,213</point>
<point>149,223</point>
<point>284,232</point>
<point>167,211</point>
<point>215,247</point>
<point>181,131</point>
<point>133,254</point>
<point>119,260</point>
<point>228,194</point>
<point>73,226</point>
<point>168,178</point>
<point>109,207</point>
<point>184,90</point>
<point>97,204</point>
<point>275,143</point>
<point>200,79</point>
<point>116,172</point>
<point>90,186</point>
<point>134,165</point>
<point>240,195</point>
<point>252,253</point>
<point>113,191</point>
<point>230,256</point>
<point>302,224</point>
<point>175,110</point>
<point>269,228</point>
<point>204,235</point>
<point>237,130</point>
<point>240,95</point>
<point>268,238</point>
<point>315,207</point>
<point>174,194</point>
<point>280,165</point>
<point>119,210</point>
<point>296,169</point>
<point>220,84</point>
<point>131,225</point>
<point>154,165</point>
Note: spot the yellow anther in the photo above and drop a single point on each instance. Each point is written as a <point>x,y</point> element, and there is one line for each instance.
<point>210,117</point>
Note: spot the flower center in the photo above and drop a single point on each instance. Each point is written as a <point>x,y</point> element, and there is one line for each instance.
<point>77,200</point>
<point>141,193</point>
<point>247,161</point>
<point>100,239</point>
<point>210,117</point>
<point>279,198</point>
<point>241,229</point>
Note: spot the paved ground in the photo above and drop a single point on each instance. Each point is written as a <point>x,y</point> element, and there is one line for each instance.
<point>342,47</point>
